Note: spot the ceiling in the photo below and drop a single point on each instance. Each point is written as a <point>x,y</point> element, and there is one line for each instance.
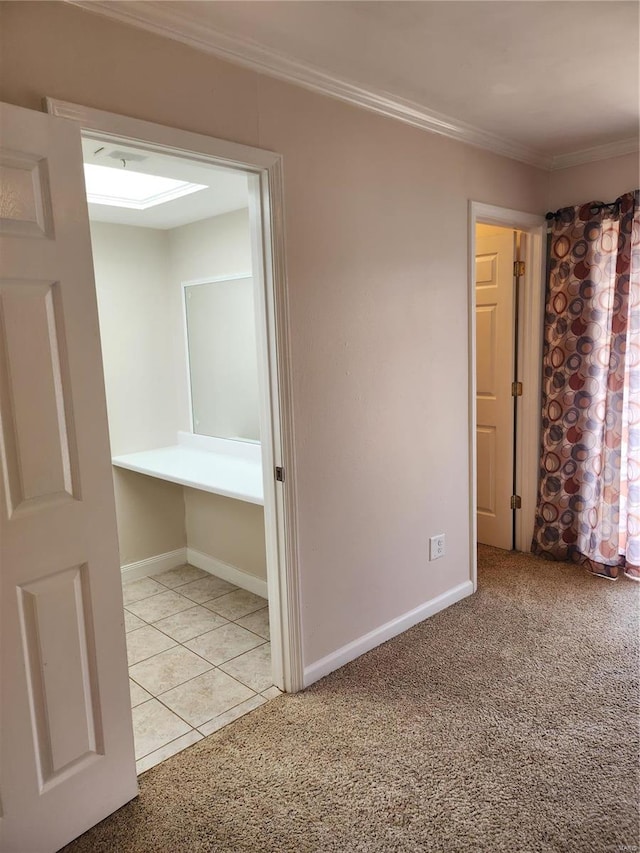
<point>544,82</point>
<point>226,190</point>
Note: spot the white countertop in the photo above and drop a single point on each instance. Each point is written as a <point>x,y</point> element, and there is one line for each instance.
<point>234,474</point>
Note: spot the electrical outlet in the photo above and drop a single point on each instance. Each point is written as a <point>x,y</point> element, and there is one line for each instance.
<point>436,547</point>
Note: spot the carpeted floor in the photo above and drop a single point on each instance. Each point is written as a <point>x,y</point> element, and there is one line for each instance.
<point>509,722</point>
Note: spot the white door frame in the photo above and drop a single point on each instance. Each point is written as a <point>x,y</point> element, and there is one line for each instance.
<point>529,361</point>
<point>266,210</point>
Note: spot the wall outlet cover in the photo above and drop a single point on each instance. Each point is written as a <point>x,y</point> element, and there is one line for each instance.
<point>436,546</point>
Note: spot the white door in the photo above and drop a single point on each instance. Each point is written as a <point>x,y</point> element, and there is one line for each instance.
<point>495,343</point>
<point>67,757</point>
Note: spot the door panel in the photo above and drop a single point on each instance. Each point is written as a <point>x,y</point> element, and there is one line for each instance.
<point>35,437</point>
<point>495,341</point>
<point>26,200</point>
<point>66,743</point>
<point>486,351</point>
<point>486,470</point>
<point>60,671</point>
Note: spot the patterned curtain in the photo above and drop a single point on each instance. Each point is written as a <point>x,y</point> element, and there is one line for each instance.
<point>589,495</point>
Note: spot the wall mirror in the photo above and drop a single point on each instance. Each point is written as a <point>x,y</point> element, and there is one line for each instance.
<point>222,358</point>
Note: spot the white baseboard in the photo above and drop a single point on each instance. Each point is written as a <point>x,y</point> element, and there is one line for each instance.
<point>385,632</point>
<point>154,565</point>
<point>227,572</point>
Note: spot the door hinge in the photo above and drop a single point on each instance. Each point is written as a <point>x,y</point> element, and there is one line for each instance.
<point>516,502</point>
<point>518,269</point>
<point>516,389</point>
<point>279,474</point>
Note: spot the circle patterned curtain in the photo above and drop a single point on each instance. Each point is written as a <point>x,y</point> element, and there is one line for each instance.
<point>589,495</point>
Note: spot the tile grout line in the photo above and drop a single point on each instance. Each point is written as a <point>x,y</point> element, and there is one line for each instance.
<point>205,660</point>
<point>227,622</point>
<point>173,589</point>
<point>211,665</point>
<point>196,603</point>
<point>186,722</point>
<point>175,712</point>
<point>222,663</point>
<point>259,636</point>
<point>212,718</point>
<point>196,728</point>
<point>156,695</point>
<point>239,680</point>
<point>237,705</point>
<point>186,598</point>
<point>191,729</point>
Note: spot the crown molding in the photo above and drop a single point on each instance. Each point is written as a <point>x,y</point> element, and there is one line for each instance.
<point>157,18</point>
<point>598,152</point>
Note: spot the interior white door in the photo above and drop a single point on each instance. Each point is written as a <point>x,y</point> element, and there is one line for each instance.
<point>495,343</point>
<point>66,739</point>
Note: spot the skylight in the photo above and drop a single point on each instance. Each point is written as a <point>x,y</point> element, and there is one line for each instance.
<point>135,190</point>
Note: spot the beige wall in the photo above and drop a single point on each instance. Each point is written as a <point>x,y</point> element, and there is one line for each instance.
<point>213,247</point>
<point>603,180</point>
<point>141,361</point>
<point>229,530</point>
<point>143,358</point>
<point>376,229</point>
<point>151,516</point>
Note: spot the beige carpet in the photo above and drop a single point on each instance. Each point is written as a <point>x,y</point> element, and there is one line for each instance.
<point>507,723</point>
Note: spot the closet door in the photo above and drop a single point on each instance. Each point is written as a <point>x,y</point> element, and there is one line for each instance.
<point>495,349</point>
<point>67,757</point>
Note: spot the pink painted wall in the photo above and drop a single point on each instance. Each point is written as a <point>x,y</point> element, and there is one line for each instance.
<point>603,180</point>
<point>376,228</point>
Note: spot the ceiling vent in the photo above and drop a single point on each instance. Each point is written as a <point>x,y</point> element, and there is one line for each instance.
<point>129,156</point>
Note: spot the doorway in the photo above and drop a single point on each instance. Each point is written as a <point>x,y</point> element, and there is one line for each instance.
<point>174,265</point>
<point>497,284</point>
<point>505,350</point>
<point>263,172</point>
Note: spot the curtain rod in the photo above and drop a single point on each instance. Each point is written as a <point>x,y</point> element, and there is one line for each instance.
<point>596,207</point>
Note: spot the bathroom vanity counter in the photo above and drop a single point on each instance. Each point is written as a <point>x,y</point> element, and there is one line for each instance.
<point>229,468</point>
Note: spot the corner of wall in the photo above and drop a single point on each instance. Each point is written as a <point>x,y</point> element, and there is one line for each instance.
<point>602,180</point>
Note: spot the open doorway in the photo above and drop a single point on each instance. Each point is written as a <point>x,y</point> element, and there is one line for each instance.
<point>506,298</point>
<point>182,331</point>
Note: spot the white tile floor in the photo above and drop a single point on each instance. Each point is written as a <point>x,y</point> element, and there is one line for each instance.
<point>199,658</point>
